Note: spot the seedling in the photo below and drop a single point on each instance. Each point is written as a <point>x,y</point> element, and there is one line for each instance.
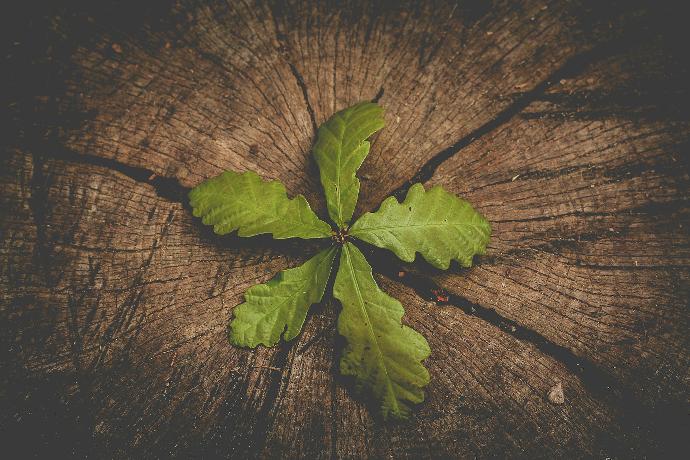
<point>383,355</point>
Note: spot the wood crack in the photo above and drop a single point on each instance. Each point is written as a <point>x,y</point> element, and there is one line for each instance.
<point>167,188</point>
<point>600,383</point>
<point>573,66</point>
<point>378,96</point>
<point>305,94</point>
<point>117,299</point>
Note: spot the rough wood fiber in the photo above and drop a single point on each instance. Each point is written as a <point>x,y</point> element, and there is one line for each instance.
<point>565,123</point>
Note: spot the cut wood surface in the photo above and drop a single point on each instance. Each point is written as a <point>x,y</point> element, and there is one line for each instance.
<point>565,123</point>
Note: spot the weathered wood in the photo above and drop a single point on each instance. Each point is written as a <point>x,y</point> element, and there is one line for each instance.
<point>593,252</point>
<point>565,123</point>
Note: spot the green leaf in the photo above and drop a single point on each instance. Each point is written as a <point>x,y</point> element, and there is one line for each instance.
<point>383,355</point>
<point>244,202</point>
<point>435,223</point>
<point>340,149</point>
<point>281,304</point>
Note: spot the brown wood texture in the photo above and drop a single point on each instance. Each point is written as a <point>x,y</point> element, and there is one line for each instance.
<point>565,123</point>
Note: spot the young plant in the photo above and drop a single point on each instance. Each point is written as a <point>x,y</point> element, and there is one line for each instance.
<point>384,356</point>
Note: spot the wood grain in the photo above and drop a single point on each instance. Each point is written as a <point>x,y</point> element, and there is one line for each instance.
<point>565,123</point>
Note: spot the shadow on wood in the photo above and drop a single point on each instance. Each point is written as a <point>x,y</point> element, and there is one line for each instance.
<point>566,124</point>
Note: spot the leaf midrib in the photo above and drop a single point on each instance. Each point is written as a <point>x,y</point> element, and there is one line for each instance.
<point>338,186</point>
<point>402,227</point>
<point>287,216</point>
<point>287,298</point>
<point>371,329</point>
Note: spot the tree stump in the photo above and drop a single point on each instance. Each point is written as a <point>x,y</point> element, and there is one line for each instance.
<point>565,123</point>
